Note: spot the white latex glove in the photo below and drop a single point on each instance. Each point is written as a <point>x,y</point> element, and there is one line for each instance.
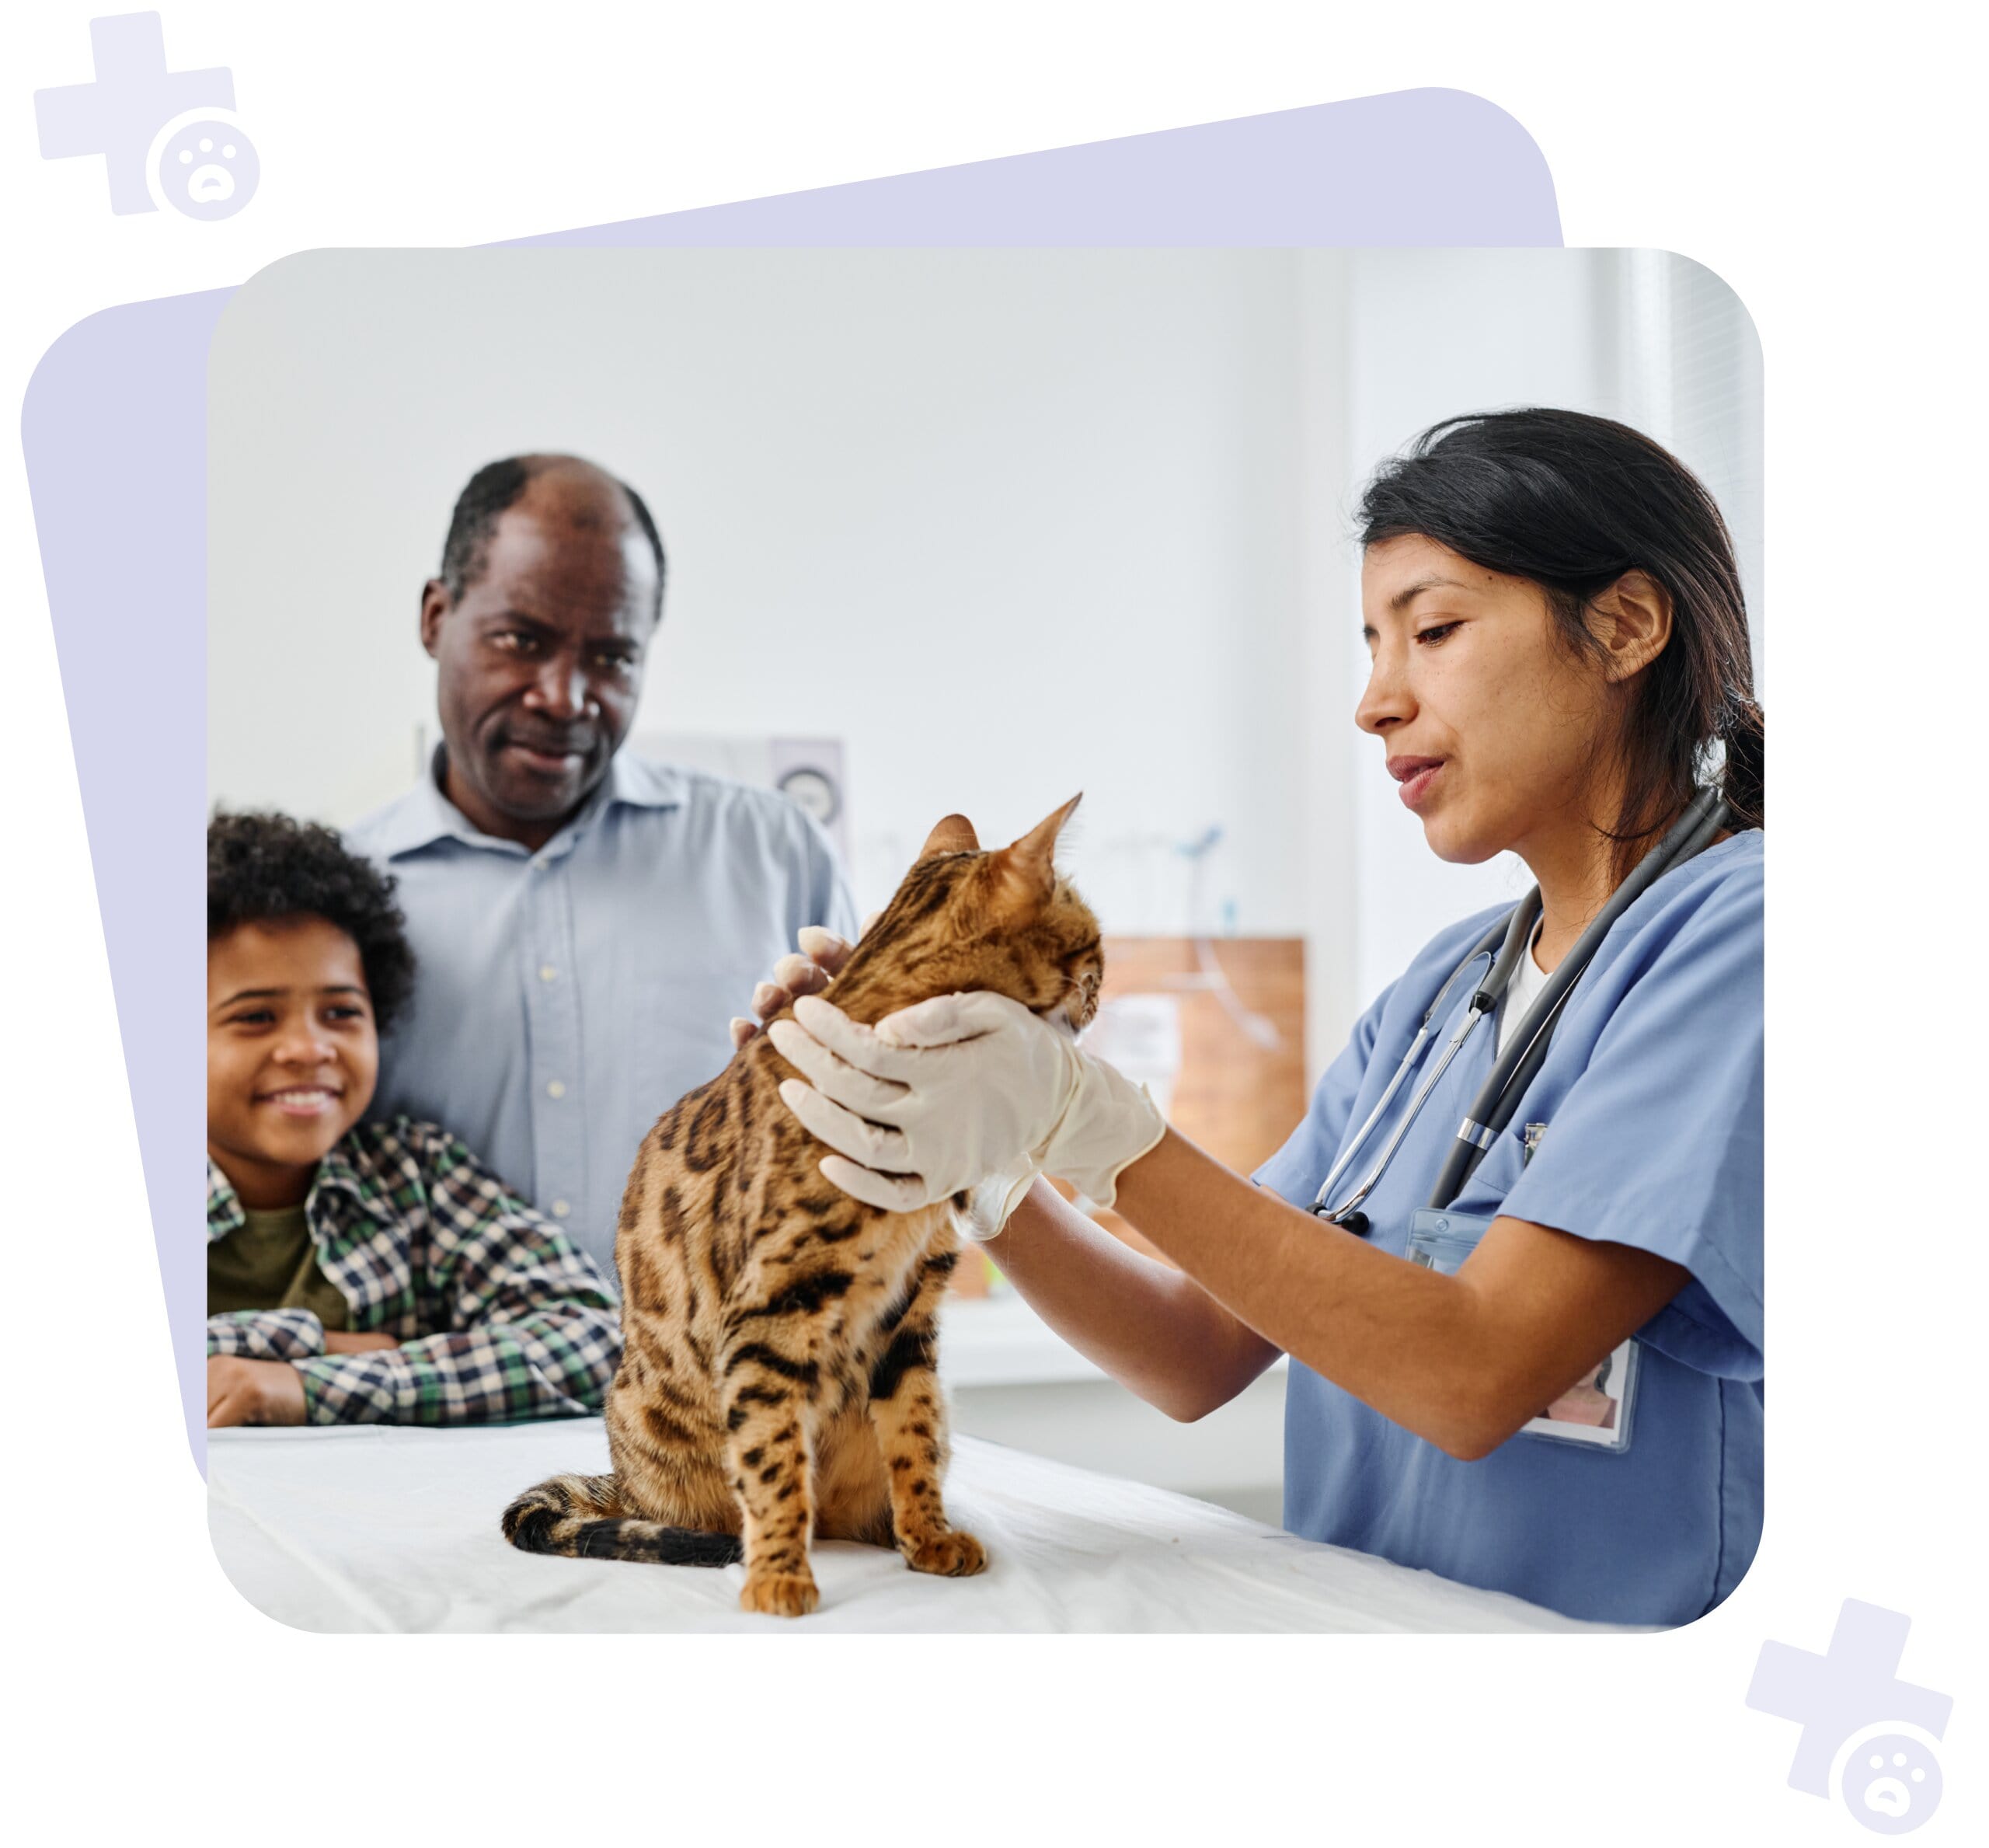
<point>822,955</point>
<point>940,1097</point>
<point>990,1204</point>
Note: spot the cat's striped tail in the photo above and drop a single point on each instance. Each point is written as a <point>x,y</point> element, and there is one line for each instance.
<point>576,1516</point>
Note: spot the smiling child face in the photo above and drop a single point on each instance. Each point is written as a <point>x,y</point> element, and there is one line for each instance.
<point>292,1053</point>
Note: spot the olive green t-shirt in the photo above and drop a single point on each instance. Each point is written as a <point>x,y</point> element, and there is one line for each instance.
<point>270,1262</point>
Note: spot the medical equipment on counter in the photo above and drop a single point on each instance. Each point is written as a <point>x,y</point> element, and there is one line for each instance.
<point>1209,972</point>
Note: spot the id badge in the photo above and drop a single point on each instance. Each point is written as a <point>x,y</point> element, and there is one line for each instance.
<point>1595,1411</point>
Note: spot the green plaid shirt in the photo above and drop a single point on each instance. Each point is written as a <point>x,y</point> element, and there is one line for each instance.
<point>498,1316</point>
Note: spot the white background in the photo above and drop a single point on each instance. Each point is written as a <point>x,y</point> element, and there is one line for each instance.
<point>1814,161</point>
<point>993,518</point>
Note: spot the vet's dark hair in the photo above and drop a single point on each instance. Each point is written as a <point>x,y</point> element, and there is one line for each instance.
<point>264,865</point>
<point>1572,502</point>
<point>496,486</point>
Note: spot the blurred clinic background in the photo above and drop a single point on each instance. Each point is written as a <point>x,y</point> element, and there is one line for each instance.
<point>962,530</point>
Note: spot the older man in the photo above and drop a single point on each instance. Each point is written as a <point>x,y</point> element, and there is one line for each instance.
<point>585,921</point>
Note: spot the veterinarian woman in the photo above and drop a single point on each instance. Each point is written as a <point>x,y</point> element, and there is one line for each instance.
<point>1529,1358</point>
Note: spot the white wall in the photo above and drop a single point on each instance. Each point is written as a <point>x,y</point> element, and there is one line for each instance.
<point>1012,523</point>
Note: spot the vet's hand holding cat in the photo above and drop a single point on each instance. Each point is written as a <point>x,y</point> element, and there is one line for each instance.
<point>1039,1103</point>
<point>1559,657</point>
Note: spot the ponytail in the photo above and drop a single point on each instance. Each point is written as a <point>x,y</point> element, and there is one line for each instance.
<point>1742,736</point>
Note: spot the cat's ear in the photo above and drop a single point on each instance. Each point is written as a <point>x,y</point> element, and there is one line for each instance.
<point>955,834</point>
<point>1025,871</point>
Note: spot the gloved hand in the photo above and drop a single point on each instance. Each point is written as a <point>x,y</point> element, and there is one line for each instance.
<point>940,1097</point>
<point>822,955</point>
<point>990,1205</point>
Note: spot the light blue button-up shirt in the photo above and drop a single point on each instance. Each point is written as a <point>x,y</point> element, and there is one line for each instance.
<point>564,1000</point>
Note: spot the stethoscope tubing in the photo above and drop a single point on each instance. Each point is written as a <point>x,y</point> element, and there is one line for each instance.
<point>1514,1069</point>
<point>1500,946</point>
<point>1484,947</point>
<point>1526,1051</point>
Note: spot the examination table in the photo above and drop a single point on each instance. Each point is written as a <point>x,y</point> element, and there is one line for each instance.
<point>385,1528</point>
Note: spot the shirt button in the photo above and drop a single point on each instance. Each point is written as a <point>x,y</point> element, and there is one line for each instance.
<point>560,1209</point>
<point>548,973</point>
<point>556,1089</point>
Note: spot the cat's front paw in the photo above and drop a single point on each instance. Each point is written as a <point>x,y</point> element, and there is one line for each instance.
<point>779,1594</point>
<point>952,1555</point>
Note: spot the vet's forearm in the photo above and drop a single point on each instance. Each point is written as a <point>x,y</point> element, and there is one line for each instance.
<point>1153,1329</point>
<point>1462,1361</point>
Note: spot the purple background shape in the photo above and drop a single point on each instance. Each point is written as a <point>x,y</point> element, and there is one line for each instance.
<point>131,94</point>
<point>114,426</point>
<point>1855,1683</point>
<point>1418,167</point>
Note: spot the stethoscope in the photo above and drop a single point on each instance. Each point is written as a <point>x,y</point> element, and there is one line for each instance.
<point>1501,947</point>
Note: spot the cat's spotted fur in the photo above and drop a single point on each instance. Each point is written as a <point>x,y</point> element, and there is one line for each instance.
<point>777,1379</point>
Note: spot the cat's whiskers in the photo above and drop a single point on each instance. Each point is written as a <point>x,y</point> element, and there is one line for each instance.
<point>1075,1004</point>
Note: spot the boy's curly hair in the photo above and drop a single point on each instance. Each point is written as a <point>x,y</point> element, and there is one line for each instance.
<point>262,865</point>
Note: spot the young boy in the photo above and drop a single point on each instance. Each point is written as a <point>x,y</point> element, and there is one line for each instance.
<point>358,1272</point>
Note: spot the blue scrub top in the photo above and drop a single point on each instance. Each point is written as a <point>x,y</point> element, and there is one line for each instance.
<point>1651,1095</point>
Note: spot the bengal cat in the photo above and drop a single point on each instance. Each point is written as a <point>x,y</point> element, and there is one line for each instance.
<point>777,1379</point>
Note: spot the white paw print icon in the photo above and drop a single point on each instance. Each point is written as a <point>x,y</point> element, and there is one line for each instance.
<point>203,165</point>
<point>1888,1776</point>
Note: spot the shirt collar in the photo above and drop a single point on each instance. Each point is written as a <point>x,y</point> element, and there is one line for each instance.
<point>339,1173</point>
<point>424,815</point>
<point>225,1212</point>
<point>342,1170</point>
<point>335,1173</point>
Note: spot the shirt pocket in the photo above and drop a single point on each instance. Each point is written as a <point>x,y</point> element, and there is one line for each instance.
<point>1495,1176</point>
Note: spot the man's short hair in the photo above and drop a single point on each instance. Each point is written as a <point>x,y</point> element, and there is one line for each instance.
<point>263,867</point>
<point>497,485</point>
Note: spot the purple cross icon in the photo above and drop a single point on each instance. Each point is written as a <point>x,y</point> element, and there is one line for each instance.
<point>133,97</point>
<point>1837,1694</point>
